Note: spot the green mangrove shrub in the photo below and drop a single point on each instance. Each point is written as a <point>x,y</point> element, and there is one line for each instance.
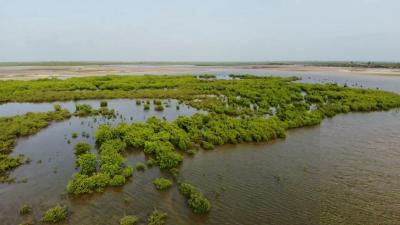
<point>128,220</point>
<point>195,199</point>
<point>157,218</point>
<point>162,183</point>
<point>55,214</point>
<point>81,148</point>
<point>140,166</point>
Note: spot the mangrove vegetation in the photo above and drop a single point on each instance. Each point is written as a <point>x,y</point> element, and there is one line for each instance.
<point>244,108</point>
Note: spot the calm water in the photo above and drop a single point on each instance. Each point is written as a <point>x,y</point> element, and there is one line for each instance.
<point>345,171</point>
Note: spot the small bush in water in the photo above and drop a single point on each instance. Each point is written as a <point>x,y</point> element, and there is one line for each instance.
<point>25,209</point>
<point>103,104</point>
<point>55,214</point>
<point>159,108</point>
<point>157,102</point>
<point>128,220</point>
<point>157,218</point>
<point>196,200</point>
<point>74,135</point>
<point>140,166</point>
<point>162,183</point>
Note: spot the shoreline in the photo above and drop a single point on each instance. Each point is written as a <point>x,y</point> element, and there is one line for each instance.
<point>63,72</point>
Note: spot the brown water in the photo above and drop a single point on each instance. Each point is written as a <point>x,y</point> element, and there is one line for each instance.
<point>345,171</point>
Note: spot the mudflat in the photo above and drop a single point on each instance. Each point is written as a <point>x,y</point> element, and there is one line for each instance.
<point>37,72</point>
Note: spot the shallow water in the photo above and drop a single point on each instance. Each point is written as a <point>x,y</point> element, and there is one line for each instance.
<point>344,171</point>
<point>388,83</point>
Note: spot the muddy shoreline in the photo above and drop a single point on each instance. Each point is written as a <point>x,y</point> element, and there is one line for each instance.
<point>63,72</point>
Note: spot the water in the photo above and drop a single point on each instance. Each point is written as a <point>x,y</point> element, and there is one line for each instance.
<point>388,83</point>
<point>344,171</point>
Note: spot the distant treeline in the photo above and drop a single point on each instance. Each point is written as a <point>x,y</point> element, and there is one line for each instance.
<point>389,65</point>
<point>155,63</point>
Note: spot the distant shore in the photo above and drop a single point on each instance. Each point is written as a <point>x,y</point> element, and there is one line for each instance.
<point>24,72</point>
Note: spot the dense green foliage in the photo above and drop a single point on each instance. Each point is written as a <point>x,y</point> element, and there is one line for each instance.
<point>87,162</point>
<point>245,108</point>
<point>244,95</point>
<point>113,170</point>
<point>14,127</point>
<point>128,220</point>
<point>162,183</point>
<point>157,218</point>
<point>196,200</point>
<point>81,148</point>
<point>55,214</point>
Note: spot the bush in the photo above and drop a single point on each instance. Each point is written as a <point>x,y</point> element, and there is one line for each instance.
<point>138,102</point>
<point>128,171</point>
<point>25,209</point>
<point>117,180</point>
<point>198,203</point>
<point>162,183</point>
<point>196,200</point>
<point>83,184</point>
<point>128,220</point>
<point>103,104</point>
<point>74,135</point>
<point>55,215</point>
<point>140,166</point>
<point>151,162</point>
<point>83,110</point>
<point>157,218</point>
<point>159,108</point>
<point>88,163</point>
<point>186,189</point>
<point>104,133</point>
<point>57,107</point>
<point>157,102</point>
<point>99,181</point>
<point>207,146</point>
<point>81,148</point>
<point>169,159</point>
<point>80,184</point>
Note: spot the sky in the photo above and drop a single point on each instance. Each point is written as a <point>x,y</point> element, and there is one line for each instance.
<point>202,30</point>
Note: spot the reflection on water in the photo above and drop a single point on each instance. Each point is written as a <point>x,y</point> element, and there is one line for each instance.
<point>345,171</point>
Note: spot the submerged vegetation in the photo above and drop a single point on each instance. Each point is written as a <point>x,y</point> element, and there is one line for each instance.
<point>25,209</point>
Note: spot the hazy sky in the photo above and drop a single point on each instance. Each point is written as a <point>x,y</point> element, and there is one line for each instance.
<point>201,30</point>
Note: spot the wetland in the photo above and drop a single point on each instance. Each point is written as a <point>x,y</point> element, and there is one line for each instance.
<point>253,149</point>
